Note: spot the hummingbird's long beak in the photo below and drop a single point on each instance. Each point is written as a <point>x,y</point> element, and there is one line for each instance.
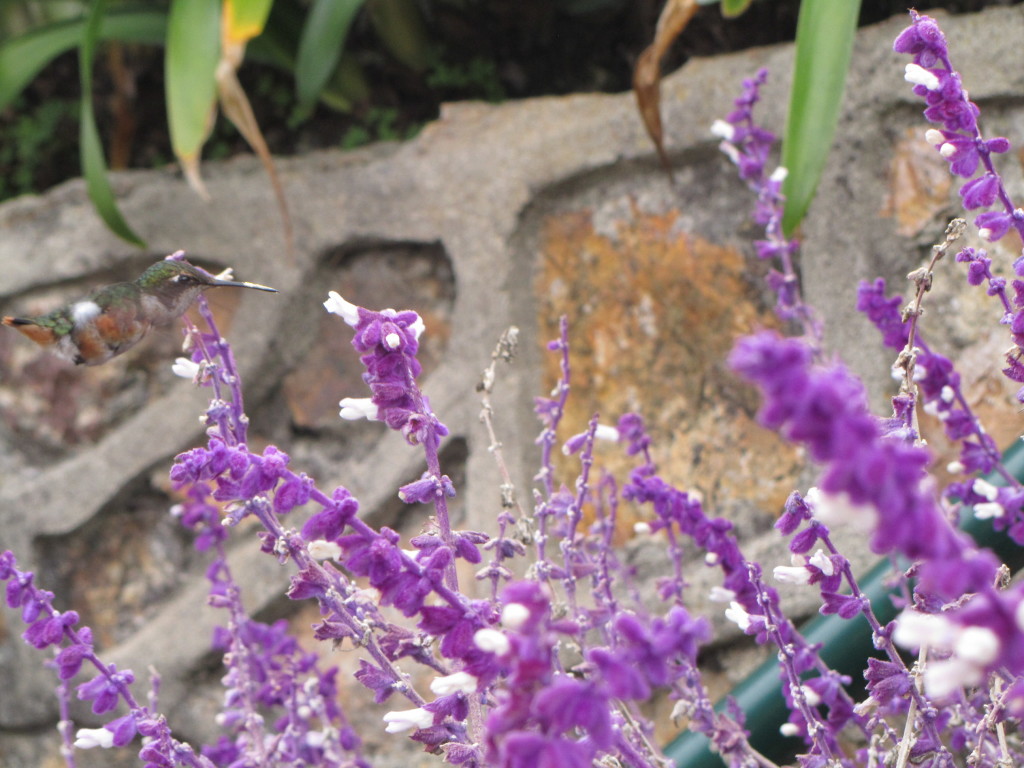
<point>239,284</point>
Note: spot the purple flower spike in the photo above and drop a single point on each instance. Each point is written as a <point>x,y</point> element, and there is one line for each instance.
<point>825,410</point>
<point>883,312</point>
<point>389,341</point>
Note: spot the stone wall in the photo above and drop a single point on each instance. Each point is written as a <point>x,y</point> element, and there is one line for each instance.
<point>493,215</point>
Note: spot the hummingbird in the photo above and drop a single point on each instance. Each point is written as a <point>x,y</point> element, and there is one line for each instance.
<point>114,318</point>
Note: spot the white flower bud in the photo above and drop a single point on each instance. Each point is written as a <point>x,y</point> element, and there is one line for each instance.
<point>723,130</point>
<point>405,719</point>
<point>345,310</point>
<point>791,574</point>
<point>978,645</point>
<point>185,368</point>
<point>87,738</point>
<point>985,488</point>
<point>918,75</point>
<point>322,549</point>
<point>514,616</point>
<point>355,408</point>
<point>738,615</point>
<point>492,641</point>
<point>457,682</point>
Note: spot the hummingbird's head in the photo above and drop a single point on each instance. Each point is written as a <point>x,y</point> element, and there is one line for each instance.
<point>176,284</point>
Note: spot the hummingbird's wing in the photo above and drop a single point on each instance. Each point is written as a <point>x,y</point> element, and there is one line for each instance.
<point>107,323</point>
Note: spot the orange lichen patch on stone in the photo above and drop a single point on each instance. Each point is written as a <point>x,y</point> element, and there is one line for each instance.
<point>653,313</point>
<point>919,184</point>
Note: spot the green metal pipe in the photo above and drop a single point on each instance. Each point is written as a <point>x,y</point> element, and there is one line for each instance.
<point>845,646</point>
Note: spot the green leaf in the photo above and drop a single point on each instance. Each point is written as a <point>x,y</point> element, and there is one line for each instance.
<point>22,58</point>
<point>399,26</point>
<point>320,47</point>
<point>190,65</point>
<point>824,41</point>
<point>733,8</point>
<point>246,19</point>
<point>94,165</point>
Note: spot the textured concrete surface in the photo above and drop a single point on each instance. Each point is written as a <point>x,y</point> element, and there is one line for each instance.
<point>493,215</point>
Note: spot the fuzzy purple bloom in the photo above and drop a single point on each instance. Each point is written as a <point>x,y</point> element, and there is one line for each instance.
<point>104,689</point>
<point>883,312</point>
<point>825,410</point>
<point>330,523</point>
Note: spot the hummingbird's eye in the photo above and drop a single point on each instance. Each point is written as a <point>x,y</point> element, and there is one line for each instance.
<point>184,279</point>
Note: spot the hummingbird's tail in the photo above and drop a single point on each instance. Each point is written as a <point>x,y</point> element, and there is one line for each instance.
<point>38,333</point>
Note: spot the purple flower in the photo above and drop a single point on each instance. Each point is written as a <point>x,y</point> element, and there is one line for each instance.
<point>378,681</point>
<point>846,606</point>
<point>619,675</point>
<point>978,265</point>
<point>50,630</point>
<point>408,590</point>
<point>330,523</point>
<point>7,565</point>
<point>426,489</point>
<point>631,430</point>
<point>124,729</point>
<point>105,689</point>
<point>525,749</point>
<point>883,312</point>
<point>568,704</point>
<point>980,192</point>
<point>374,556</point>
<point>69,660</point>
<point>224,752</point>
<point>795,513</point>
<point>294,492</point>
<point>454,705</point>
<point>924,40</point>
<point>309,582</point>
<point>992,225</point>
<point>887,680</point>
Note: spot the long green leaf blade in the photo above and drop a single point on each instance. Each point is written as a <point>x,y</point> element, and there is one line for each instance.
<point>245,19</point>
<point>399,25</point>
<point>824,41</point>
<point>733,8</point>
<point>22,58</point>
<point>320,47</point>
<point>193,49</point>
<point>94,165</point>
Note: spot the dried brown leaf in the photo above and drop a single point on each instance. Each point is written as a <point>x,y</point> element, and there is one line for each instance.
<point>647,75</point>
<point>236,107</point>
